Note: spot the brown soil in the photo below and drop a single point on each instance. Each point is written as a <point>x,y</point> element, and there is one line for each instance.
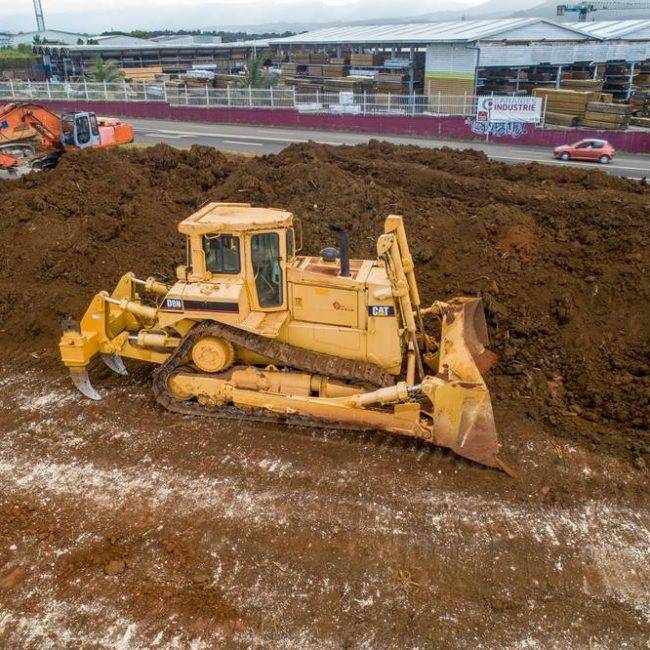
<point>120,523</point>
<point>559,256</point>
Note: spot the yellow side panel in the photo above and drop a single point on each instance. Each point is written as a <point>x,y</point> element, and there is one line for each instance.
<point>338,341</point>
<point>384,345</point>
<point>324,305</point>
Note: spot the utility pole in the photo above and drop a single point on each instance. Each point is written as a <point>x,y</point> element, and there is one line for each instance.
<point>40,20</point>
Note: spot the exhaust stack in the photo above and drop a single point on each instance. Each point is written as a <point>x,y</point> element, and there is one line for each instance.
<point>344,248</point>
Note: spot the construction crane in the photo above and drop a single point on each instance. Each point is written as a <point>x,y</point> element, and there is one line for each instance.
<point>583,9</point>
<point>40,19</point>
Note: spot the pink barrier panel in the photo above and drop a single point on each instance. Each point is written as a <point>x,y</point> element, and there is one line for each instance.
<point>452,128</point>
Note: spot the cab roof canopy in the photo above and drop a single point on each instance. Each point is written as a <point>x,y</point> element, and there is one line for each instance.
<point>216,218</point>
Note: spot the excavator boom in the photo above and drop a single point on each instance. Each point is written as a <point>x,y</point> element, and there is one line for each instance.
<point>33,137</point>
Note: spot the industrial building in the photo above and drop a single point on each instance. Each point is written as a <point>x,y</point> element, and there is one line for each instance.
<point>52,35</point>
<point>169,56</point>
<point>510,56</point>
<point>461,58</point>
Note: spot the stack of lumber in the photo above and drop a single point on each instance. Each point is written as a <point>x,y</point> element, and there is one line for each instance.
<point>559,119</point>
<point>318,57</point>
<point>640,121</point>
<point>576,74</point>
<point>195,83</point>
<point>348,84</point>
<point>395,82</point>
<point>142,74</point>
<point>566,102</point>
<point>335,70</point>
<point>301,57</point>
<point>582,84</point>
<point>223,80</point>
<point>363,60</point>
<point>340,60</point>
<point>301,84</point>
<point>541,76</point>
<point>292,68</point>
<point>607,116</point>
<point>641,103</point>
<point>617,78</point>
<point>642,84</point>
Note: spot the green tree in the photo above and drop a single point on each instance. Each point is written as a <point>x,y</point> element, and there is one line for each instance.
<point>104,70</point>
<point>256,76</point>
<point>80,41</point>
<point>38,40</point>
<point>20,58</point>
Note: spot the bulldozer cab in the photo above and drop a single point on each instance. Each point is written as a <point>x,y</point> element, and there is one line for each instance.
<point>80,130</point>
<point>233,242</point>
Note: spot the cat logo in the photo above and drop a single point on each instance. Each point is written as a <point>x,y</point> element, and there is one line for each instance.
<point>381,310</point>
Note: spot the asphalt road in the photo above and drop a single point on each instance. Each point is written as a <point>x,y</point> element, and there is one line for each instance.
<point>264,140</point>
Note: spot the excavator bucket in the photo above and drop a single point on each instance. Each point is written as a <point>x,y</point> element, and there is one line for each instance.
<point>462,411</point>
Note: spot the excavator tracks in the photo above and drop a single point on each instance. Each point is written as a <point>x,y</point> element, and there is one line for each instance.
<point>284,354</point>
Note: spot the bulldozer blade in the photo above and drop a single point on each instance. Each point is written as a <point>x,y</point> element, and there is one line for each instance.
<point>475,333</point>
<point>81,380</point>
<point>463,421</point>
<point>462,411</point>
<point>115,363</point>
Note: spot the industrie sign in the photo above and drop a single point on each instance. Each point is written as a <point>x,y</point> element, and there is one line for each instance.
<point>509,109</point>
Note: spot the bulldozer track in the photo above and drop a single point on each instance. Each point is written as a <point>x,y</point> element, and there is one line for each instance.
<point>288,355</point>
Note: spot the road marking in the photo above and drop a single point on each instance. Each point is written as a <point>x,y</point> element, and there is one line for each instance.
<point>572,164</point>
<point>247,144</point>
<point>205,134</point>
<point>168,137</point>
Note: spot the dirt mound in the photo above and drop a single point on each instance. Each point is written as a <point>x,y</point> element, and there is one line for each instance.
<point>559,255</point>
<point>68,233</point>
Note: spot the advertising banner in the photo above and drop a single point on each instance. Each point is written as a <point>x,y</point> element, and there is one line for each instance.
<point>509,109</point>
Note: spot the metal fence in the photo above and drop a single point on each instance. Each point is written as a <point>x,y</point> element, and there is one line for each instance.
<point>243,97</point>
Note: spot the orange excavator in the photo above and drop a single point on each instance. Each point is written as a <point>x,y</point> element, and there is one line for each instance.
<point>33,138</point>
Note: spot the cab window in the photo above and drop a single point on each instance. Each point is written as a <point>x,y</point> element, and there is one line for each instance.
<point>291,244</point>
<point>222,254</point>
<point>94,127</point>
<point>83,130</point>
<point>265,257</point>
<point>67,128</point>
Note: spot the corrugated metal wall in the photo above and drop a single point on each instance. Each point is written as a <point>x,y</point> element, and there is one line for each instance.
<point>524,55</point>
<point>449,70</point>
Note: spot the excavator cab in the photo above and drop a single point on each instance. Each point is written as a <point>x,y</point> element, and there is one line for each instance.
<point>80,130</point>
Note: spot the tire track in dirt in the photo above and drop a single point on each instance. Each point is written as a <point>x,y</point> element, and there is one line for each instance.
<point>292,554</point>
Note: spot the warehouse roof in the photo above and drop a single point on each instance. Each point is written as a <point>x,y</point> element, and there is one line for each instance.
<point>618,29</point>
<point>460,31</point>
<point>149,46</point>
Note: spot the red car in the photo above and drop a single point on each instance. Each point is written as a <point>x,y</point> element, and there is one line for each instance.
<point>597,150</point>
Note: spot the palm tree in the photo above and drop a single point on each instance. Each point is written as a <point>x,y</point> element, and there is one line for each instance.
<point>105,70</point>
<point>256,76</point>
<point>38,40</point>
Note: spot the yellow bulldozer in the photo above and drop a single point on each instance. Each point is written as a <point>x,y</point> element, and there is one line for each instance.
<point>253,330</point>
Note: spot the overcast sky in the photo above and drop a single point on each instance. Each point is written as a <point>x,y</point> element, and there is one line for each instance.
<point>86,17</point>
